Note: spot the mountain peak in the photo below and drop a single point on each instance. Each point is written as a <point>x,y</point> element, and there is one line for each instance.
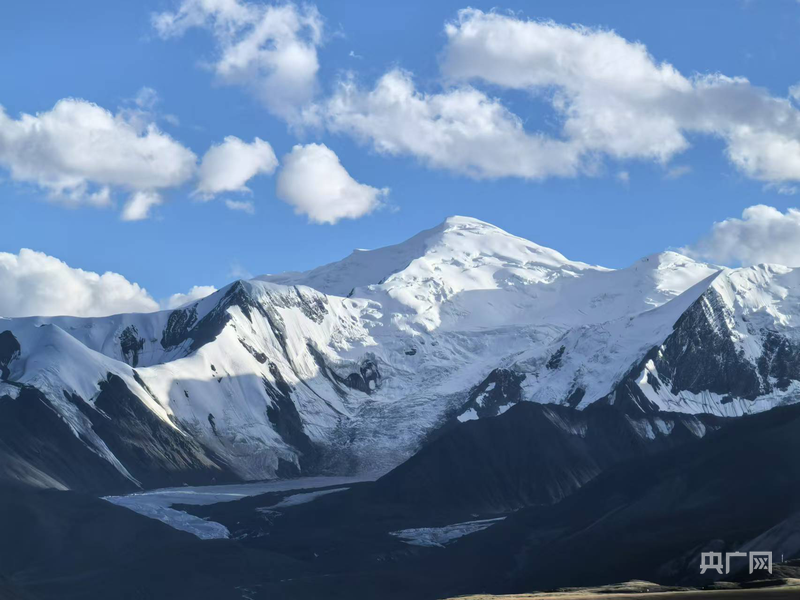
<point>665,274</point>
<point>455,220</point>
<point>456,246</point>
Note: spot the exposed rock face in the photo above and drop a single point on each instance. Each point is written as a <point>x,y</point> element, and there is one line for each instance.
<point>131,345</point>
<point>779,363</point>
<point>179,327</point>
<point>9,350</point>
<point>701,355</point>
<point>283,415</point>
<point>499,391</point>
<point>714,353</point>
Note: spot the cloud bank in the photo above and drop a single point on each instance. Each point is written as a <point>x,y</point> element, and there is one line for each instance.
<point>610,97</point>
<point>36,284</point>
<point>33,283</point>
<point>763,235</point>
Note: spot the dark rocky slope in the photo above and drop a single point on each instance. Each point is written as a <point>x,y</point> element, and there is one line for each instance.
<point>651,517</point>
<point>37,446</point>
<point>532,454</point>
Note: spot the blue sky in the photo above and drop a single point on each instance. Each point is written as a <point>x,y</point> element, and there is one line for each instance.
<point>617,211</point>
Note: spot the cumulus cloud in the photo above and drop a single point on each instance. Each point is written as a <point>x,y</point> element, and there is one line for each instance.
<point>228,166</point>
<point>33,283</point>
<point>82,155</point>
<point>614,98</point>
<point>78,151</point>
<point>36,284</point>
<point>245,206</point>
<point>763,235</point>
<point>138,206</point>
<point>198,292</point>
<point>269,49</point>
<point>610,97</point>
<point>461,129</point>
<point>314,181</point>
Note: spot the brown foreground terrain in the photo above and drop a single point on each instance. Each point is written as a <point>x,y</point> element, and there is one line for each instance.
<point>786,589</point>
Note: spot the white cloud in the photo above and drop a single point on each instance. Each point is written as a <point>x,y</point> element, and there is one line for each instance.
<point>77,151</point>
<point>602,84</point>
<point>198,292</point>
<point>33,283</point>
<point>245,206</point>
<point>624,177</point>
<point>615,99</point>
<point>782,189</point>
<point>140,111</point>
<point>763,235</point>
<point>677,171</point>
<point>146,98</point>
<point>81,154</point>
<point>138,206</point>
<point>462,129</point>
<point>227,167</point>
<point>36,284</point>
<point>314,181</point>
<point>609,96</point>
<point>269,49</point>
<point>794,92</point>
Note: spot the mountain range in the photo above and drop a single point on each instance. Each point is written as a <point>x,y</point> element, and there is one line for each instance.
<point>352,367</point>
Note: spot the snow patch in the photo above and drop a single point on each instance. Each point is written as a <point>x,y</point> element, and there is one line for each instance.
<point>177,519</point>
<point>469,415</point>
<point>665,427</point>
<point>297,499</point>
<point>574,428</point>
<point>642,427</point>
<point>12,391</point>
<point>696,426</point>
<point>439,537</point>
<point>156,504</point>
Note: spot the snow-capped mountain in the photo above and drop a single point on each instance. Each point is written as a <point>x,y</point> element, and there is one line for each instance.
<point>348,367</point>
